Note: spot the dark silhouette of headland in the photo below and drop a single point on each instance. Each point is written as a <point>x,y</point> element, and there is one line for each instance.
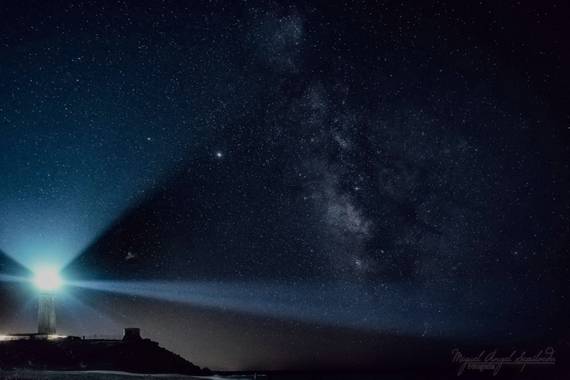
<point>69,353</point>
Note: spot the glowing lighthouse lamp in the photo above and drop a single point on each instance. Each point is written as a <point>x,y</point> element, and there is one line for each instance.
<point>48,281</point>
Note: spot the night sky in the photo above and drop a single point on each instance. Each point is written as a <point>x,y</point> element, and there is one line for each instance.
<point>288,185</point>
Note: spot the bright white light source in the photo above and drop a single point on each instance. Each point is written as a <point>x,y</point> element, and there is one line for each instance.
<point>47,279</point>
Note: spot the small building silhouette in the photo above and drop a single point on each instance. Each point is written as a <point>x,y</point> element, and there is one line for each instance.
<point>132,334</point>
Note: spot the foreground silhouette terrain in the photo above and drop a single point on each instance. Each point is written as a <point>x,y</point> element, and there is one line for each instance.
<point>76,354</point>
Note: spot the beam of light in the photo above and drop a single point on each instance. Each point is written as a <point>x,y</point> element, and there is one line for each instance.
<point>11,278</point>
<point>258,300</point>
<point>400,309</point>
<point>58,233</point>
<point>52,238</point>
<point>46,236</point>
<point>56,226</point>
<point>389,311</point>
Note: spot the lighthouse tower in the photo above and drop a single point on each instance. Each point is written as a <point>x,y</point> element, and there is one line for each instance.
<point>46,313</point>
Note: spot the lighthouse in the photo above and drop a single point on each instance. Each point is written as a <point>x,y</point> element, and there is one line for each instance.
<point>48,281</point>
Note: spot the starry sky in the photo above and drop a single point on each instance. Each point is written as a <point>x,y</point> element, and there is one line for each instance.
<point>288,184</point>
